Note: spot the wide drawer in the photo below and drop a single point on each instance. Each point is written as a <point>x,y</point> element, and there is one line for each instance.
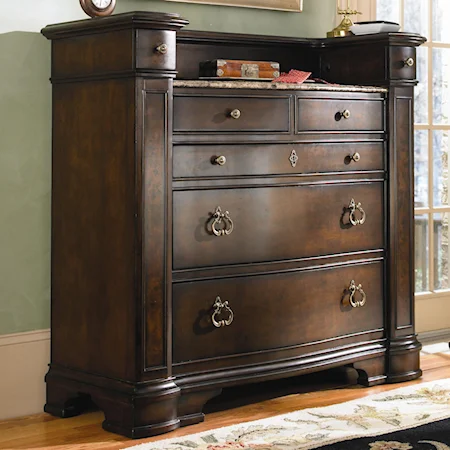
<point>240,160</point>
<point>337,115</point>
<point>274,223</point>
<point>307,306</point>
<point>231,114</point>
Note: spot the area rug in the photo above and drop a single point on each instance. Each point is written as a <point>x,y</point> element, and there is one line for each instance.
<point>415,417</point>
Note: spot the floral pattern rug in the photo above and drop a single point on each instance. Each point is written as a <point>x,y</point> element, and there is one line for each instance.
<point>371,416</point>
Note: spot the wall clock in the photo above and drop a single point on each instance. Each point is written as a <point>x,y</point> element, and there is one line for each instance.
<point>98,8</point>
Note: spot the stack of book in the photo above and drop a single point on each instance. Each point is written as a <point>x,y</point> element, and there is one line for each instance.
<point>379,26</point>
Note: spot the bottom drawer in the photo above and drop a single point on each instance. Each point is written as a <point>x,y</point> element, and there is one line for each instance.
<point>274,311</point>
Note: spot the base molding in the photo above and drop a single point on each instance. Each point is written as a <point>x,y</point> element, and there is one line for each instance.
<point>371,372</point>
<point>141,432</point>
<point>29,353</point>
<point>404,359</point>
<point>139,409</point>
<point>135,410</point>
<point>434,337</point>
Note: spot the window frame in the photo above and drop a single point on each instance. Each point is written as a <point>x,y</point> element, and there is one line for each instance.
<point>368,8</point>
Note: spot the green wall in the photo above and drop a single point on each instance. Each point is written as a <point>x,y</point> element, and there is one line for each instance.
<point>316,19</point>
<point>25,130</point>
<point>25,107</point>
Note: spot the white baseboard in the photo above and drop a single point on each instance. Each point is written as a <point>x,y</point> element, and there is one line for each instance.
<point>434,337</point>
<point>24,359</point>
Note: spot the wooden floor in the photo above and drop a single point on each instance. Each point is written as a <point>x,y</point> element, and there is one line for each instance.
<point>84,432</point>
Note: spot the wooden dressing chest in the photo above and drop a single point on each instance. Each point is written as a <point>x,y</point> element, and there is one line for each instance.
<point>207,234</point>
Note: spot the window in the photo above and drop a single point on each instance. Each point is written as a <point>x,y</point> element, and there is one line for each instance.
<point>432,129</point>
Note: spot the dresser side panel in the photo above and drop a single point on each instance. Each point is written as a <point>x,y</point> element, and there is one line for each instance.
<point>93,227</point>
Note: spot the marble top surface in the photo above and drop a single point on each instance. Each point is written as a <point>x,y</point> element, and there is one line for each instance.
<point>242,84</point>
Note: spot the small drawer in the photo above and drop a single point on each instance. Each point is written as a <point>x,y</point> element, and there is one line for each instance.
<point>336,115</point>
<point>308,306</point>
<point>255,160</point>
<point>402,63</point>
<point>220,227</point>
<point>156,49</point>
<point>231,114</point>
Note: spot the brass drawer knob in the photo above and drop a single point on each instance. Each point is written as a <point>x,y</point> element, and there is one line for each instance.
<point>355,157</point>
<point>409,62</point>
<point>220,160</point>
<point>346,114</point>
<point>235,114</point>
<point>220,219</point>
<point>353,207</point>
<point>162,48</point>
<point>353,289</point>
<point>220,307</point>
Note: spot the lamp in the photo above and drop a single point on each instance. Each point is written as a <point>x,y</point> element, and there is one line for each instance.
<point>343,29</point>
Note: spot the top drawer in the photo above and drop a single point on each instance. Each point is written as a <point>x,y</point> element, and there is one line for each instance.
<point>402,63</point>
<point>231,114</point>
<point>337,115</point>
<point>155,49</point>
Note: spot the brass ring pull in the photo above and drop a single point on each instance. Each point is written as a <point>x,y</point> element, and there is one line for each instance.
<point>220,160</point>
<point>346,114</point>
<point>220,217</point>
<point>353,206</point>
<point>353,288</point>
<point>355,157</point>
<point>219,307</point>
<point>162,48</point>
<point>235,114</point>
<point>408,62</point>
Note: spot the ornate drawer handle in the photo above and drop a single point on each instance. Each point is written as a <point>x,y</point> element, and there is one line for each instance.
<point>235,114</point>
<point>293,158</point>
<point>353,206</point>
<point>219,307</point>
<point>353,288</point>
<point>346,114</point>
<point>162,48</point>
<point>219,217</point>
<point>220,160</point>
<point>355,157</point>
<point>409,62</point>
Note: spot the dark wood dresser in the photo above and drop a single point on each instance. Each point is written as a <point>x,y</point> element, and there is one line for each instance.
<point>207,234</point>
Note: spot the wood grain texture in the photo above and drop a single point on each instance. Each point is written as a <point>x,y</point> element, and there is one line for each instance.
<point>191,161</point>
<point>256,300</point>
<point>275,223</point>
<point>214,113</point>
<point>89,55</point>
<point>327,115</point>
<point>402,173</point>
<point>93,227</point>
<point>154,192</point>
<point>123,227</point>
